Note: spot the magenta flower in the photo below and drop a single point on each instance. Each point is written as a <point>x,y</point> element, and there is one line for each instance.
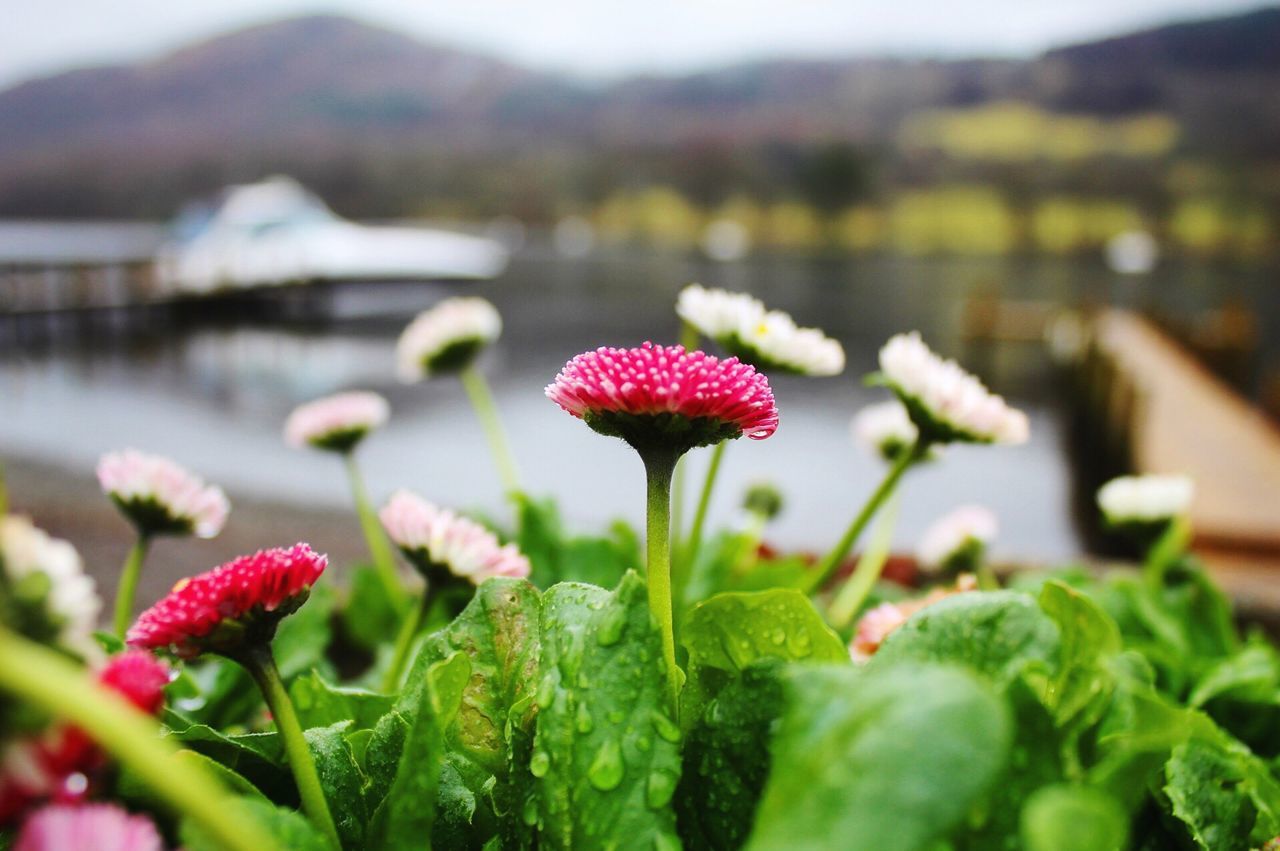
<point>160,497</point>
<point>665,397</point>
<point>241,601</point>
<point>102,827</point>
<point>336,423</point>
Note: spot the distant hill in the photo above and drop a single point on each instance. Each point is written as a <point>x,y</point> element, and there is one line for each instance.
<point>342,98</point>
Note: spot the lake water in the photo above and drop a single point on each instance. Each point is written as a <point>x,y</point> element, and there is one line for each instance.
<point>215,394</point>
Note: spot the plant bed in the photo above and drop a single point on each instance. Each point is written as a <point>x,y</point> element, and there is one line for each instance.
<point>516,686</point>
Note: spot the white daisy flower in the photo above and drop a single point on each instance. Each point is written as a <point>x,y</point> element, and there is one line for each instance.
<point>437,540</point>
<point>36,563</point>
<point>1146,499</point>
<point>958,539</point>
<point>161,498</point>
<point>884,429</point>
<point>769,340</point>
<point>446,338</point>
<point>945,402</point>
<point>337,422</point>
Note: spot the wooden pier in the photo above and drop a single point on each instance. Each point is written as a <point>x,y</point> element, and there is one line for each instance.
<point>1180,418</point>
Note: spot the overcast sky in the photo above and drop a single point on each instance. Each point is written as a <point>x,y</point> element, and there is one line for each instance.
<point>596,37</point>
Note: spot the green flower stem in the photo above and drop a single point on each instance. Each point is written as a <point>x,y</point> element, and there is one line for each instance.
<point>404,641</point>
<point>46,679</point>
<point>986,575</point>
<point>261,665</point>
<point>690,555</point>
<point>1173,542</point>
<point>831,562</point>
<point>4,493</point>
<point>384,562</point>
<point>853,596</point>
<point>482,400</point>
<point>659,466</point>
<point>128,587</point>
<point>749,546</point>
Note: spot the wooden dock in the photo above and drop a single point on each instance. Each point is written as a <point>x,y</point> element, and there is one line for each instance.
<point>1183,419</point>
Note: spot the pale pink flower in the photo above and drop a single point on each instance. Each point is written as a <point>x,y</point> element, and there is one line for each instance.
<point>767,339</point>
<point>876,625</point>
<point>945,401</point>
<point>666,396</point>
<point>884,429</point>
<point>969,528</point>
<point>446,338</point>
<point>336,422</point>
<point>102,827</point>
<point>160,497</point>
<point>435,538</point>
<point>70,607</point>
<point>1146,499</point>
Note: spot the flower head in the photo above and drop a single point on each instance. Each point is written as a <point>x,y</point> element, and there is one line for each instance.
<point>47,595</point>
<point>769,340</point>
<point>1145,499</point>
<point>958,539</point>
<point>764,500</point>
<point>876,625</point>
<point>665,397</point>
<point>946,403</point>
<point>138,676</point>
<point>336,423</point>
<point>440,543</point>
<point>446,338</point>
<point>236,605</point>
<point>102,827</point>
<point>885,429</point>
<point>160,497</point>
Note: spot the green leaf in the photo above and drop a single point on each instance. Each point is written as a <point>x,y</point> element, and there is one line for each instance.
<point>498,632</point>
<point>726,759</point>
<point>304,636</point>
<point>1088,639</point>
<point>998,634</point>
<point>888,759</point>
<point>369,617</point>
<point>256,756</point>
<point>1074,818</point>
<point>606,750</point>
<point>728,632</point>
<point>556,556</point>
<point>1253,674</point>
<point>291,829</point>
<point>1205,788</point>
<point>341,779</point>
<point>321,704</point>
<point>406,815</point>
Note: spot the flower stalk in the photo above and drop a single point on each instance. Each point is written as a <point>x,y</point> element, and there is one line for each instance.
<point>404,641</point>
<point>690,555</point>
<point>659,465</point>
<point>50,681</point>
<point>853,595</point>
<point>831,562</point>
<point>127,590</point>
<point>487,411</point>
<point>259,661</point>
<point>379,549</point>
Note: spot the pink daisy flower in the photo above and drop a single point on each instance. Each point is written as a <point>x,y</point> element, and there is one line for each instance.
<point>665,397</point>
<point>337,422</point>
<point>876,625</point>
<point>160,497</point>
<point>102,827</point>
<point>235,605</point>
<point>440,543</point>
<point>945,402</point>
<point>139,676</point>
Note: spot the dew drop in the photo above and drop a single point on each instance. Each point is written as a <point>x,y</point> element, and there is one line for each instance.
<point>539,763</point>
<point>611,626</point>
<point>530,812</point>
<point>659,788</point>
<point>606,769</point>
<point>666,728</point>
<point>584,722</point>
<point>546,691</point>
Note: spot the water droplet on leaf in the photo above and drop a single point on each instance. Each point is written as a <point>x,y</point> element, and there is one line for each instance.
<point>606,769</point>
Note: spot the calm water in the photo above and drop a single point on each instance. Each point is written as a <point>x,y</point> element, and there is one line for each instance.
<point>214,395</point>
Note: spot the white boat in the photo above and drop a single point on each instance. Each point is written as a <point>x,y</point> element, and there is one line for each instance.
<point>276,232</point>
